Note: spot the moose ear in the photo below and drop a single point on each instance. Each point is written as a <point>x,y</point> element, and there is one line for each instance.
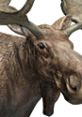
<point>63,23</point>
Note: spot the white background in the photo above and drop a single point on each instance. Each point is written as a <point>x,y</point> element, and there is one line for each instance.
<point>47,12</point>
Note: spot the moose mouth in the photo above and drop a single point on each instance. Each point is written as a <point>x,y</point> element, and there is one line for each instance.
<point>71,88</point>
<point>73,92</point>
<point>72,99</point>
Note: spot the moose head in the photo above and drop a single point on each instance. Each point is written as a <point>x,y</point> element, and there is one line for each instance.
<point>49,56</point>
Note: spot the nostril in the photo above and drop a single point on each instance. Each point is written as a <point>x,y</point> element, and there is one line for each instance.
<point>75,83</point>
<point>76,88</point>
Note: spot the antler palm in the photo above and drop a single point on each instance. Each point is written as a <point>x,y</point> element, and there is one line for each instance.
<point>73,7</point>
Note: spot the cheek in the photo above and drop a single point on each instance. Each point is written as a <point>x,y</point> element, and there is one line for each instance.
<point>43,58</point>
<point>42,62</point>
<point>44,52</point>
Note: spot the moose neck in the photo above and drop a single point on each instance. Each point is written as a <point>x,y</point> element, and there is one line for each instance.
<point>31,95</point>
<point>31,102</point>
<point>27,87</point>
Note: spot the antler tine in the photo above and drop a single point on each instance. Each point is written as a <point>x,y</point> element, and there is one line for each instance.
<point>73,28</point>
<point>15,18</point>
<point>26,8</point>
<point>5,7</point>
<point>21,19</point>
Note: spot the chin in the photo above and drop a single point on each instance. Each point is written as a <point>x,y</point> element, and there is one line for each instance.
<point>73,100</point>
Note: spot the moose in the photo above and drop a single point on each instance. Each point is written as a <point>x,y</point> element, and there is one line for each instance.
<point>41,64</point>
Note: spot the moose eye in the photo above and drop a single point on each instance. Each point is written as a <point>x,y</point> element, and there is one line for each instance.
<point>42,45</point>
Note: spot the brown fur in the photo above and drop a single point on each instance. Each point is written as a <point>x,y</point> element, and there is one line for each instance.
<point>28,72</point>
<point>42,65</point>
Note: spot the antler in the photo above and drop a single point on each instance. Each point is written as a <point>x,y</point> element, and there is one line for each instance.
<point>21,19</point>
<point>4,6</point>
<point>73,8</point>
<point>4,2</point>
<point>26,8</point>
<point>73,28</point>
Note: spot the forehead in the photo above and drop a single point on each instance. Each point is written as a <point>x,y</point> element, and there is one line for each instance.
<point>49,31</point>
<point>57,37</point>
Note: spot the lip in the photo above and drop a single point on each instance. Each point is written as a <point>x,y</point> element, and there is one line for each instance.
<point>72,100</point>
<point>71,96</point>
<point>69,88</point>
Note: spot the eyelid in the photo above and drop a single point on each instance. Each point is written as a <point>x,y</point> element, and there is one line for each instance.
<point>42,45</point>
